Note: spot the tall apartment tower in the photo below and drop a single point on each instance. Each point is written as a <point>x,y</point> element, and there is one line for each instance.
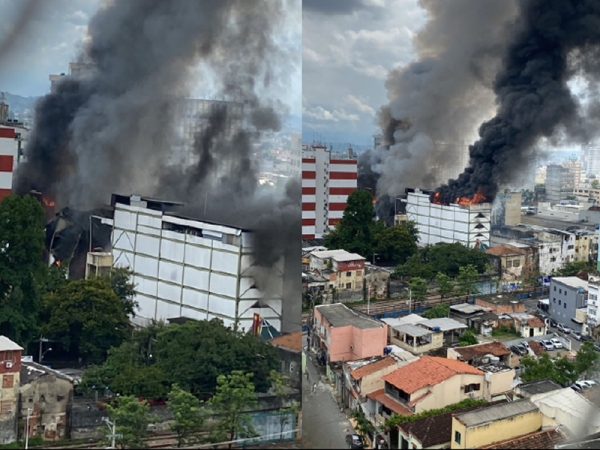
<point>590,156</point>
<point>560,182</point>
<point>326,184</point>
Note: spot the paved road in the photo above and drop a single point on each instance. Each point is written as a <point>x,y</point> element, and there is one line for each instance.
<point>323,425</point>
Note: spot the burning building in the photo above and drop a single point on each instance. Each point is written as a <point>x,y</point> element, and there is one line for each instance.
<point>467,221</point>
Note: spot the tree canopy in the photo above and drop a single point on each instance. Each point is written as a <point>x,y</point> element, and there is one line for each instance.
<point>132,418</point>
<point>394,244</point>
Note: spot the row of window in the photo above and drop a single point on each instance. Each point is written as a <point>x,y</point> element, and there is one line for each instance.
<point>559,302</point>
<point>514,263</point>
<point>7,355</point>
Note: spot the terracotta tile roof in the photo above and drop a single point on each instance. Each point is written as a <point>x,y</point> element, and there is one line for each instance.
<point>538,440</point>
<point>436,430</point>
<point>536,322</point>
<point>536,347</point>
<point>390,403</point>
<point>501,250</point>
<point>473,351</point>
<point>368,369</point>
<point>293,341</point>
<point>427,371</point>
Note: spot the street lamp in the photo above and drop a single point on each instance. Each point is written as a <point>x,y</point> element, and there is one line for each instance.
<point>27,428</point>
<point>42,356</point>
<point>112,426</point>
<point>409,299</point>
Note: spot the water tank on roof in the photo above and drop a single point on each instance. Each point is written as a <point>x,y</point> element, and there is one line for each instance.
<point>436,329</point>
<point>387,350</point>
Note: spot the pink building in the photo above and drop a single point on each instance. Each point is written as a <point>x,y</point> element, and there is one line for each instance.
<point>343,334</point>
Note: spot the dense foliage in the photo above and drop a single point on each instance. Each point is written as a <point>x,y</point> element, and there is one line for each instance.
<point>560,370</point>
<point>397,419</point>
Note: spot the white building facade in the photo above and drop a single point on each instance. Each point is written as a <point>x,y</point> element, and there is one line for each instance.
<point>190,268</point>
<point>469,225</point>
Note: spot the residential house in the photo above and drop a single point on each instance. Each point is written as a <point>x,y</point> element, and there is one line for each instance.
<point>528,324</point>
<point>496,423</point>
<point>428,432</point>
<point>481,354</point>
<point>450,328</point>
<point>536,388</point>
<point>344,268</point>
<point>567,294</point>
<point>290,351</point>
<point>543,439</point>
<point>593,303</point>
<point>466,312</point>
<point>343,334</point>
<point>46,396</point>
<point>536,348</point>
<point>377,281</point>
<point>510,264</point>
<point>499,379</point>
<point>428,383</point>
<point>363,377</point>
<point>501,303</point>
<point>10,373</point>
<point>415,338</point>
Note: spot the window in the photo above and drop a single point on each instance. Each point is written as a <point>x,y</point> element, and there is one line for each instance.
<point>8,381</point>
<point>560,291</point>
<point>457,437</point>
<point>540,329</point>
<point>565,305</point>
<point>348,274</point>
<point>472,387</point>
<point>359,273</point>
<point>508,263</point>
<point>516,263</point>
<point>555,288</point>
<point>6,407</point>
<point>553,259</point>
<point>348,285</point>
<point>553,299</point>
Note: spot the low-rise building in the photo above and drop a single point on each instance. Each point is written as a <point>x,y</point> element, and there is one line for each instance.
<point>377,281</point>
<point>528,324</point>
<point>365,376</point>
<point>501,303</point>
<point>46,396</point>
<point>536,388</point>
<point>415,339</point>
<point>290,351</point>
<point>344,268</point>
<point>343,334</point>
<point>474,429</point>
<point>10,374</point>
<point>542,440</point>
<point>481,354</point>
<point>567,294</point>
<point>510,263</point>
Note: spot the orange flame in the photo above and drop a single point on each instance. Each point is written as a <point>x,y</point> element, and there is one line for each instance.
<point>437,198</point>
<point>48,202</point>
<point>374,201</point>
<point>479,197</point>
<point>58,262</point>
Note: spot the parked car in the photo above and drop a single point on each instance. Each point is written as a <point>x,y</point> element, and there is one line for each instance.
<point>354,441</point>
<point>597,346</point>
<point>557,343</point>
<point>576,335</point>
<point>524,344</point>
<point>547,345</point>
<point>519,350</point>
<point>553,323</point>
<point>576,387</point>
<point>587,338</point>
<point>586,383</point>
<point>560,327</point>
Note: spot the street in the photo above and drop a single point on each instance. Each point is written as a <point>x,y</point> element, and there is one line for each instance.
<point>324,426</point>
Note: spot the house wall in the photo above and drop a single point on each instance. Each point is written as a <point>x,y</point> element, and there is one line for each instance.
<point>564,301</point>
<point>524,329</point>
<point>513,267</point>
<point>501,308</point>
<point>291,366</point>
<point>437,341</point>
<point>374,381</point>
<point>448,392</point>
<point>496,431</point>
<point>50,398</point>
<point>500,381</point>
<point>10,379</point>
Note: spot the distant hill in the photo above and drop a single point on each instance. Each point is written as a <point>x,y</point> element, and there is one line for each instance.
<point>19,107</point>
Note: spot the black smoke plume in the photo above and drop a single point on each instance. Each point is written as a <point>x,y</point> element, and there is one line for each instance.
<point>436,101</point>
<point>553,41</point>
<point>111,130</point>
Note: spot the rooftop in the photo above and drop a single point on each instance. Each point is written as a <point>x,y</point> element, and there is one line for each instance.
<point>6,344</point>
<point>505,250</point>
<point>372,367</point>
<point>338,255</point>
<point>467,308</point>
<point>31,371</point>
<point>539,386</point>
<point>291,341</point>
<point>574,282</point>
<point>478,350</point>
<point>390,403</point>
<point>496,412</point>
<point>339,315</point>
<point>592,394</point>
<point>444,324</point>
<point>435,430</point>
<point>428,371</point>
<point>536,347</point>
<point>499,299</point>
<point>413,330</point>
<point>585,414</point>
<point>543,439</point>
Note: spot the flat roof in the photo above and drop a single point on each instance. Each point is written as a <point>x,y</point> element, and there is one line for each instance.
<point>413,330</point>
<point>444,324</point>
<point>338,255</point>
<point>499,298</point>
<point>496,412</point>
<point>467,308</point>
<point>339,315</point>
<point>574,282</point>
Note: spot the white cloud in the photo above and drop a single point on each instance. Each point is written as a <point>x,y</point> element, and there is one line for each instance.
<point>320,113</point>
<point>362,107</point>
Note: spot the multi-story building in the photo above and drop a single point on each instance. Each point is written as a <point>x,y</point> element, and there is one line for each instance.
<point>507,209</point>
<point>296,155</point>
<point>10,380</point>
<point>567,295</point>
<point>593,303</point>
<point>590,156</point>
<point>346,270</point>
<point>191,268</point>
<point>8,159</point>
<point>469,225</point>
<point>561,182</point>
<point>326,184</point>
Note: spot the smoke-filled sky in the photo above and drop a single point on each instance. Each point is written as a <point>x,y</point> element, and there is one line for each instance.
<point>54,32</point>
<point>348,49</point>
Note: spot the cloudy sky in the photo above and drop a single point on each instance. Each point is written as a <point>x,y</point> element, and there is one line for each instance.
<point>52,34</point>
<point>349,46</point>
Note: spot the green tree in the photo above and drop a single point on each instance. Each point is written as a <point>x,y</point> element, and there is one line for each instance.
<point>86,317</point>
<point>572,268</point>
<point>565,371</point>
<point>132,418</point>
<point>22,242</point>
<point>188,415</point>
<point>467,280</point>
<point>356,231</point>
<point>586,358</point>
<point>394,244</point>
<point>411,227</point>
<point>468,338</point>
<point>120,281</point>
<point>560,370</point>
<point>363,426</point>
<point>438,311</point>
<point>445,284</point>
<point>418,289</point>
<point>595,184</point>
<point>233,399</point>
<point>279,384</point>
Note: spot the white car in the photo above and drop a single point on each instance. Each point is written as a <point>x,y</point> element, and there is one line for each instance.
<point>524,344</point>
<point>556,343</point>
<point>547,345</point>
<point>585,383</point>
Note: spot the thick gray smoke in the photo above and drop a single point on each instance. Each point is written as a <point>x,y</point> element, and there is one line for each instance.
<point>112,130</point>
<point>552,41</point>
<point>436,102</point>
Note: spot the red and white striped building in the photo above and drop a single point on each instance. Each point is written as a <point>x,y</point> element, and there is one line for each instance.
<point>8,159</point>
<point>326,184</point>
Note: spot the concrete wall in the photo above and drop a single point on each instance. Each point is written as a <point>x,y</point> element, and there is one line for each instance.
<point>10,379</point>
<point>374,381</point>
<point>496,431</point>
<point>501,381</point>
<point>437,341</point>
<point>561,295</point>
<point>448,392</point>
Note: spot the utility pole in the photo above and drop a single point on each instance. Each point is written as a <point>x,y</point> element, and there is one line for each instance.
<point>112,426</point>
<point>27,428</point>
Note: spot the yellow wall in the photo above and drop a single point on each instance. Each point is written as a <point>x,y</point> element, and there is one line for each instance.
<point>354,279</point>
<point>448,392</point>
<point>501,381</point>
<point>500,430</point>
<point>437,341</point>
<point>374,381</point>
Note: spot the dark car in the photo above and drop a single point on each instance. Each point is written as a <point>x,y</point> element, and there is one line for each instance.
<point>354,441</point>
<point>519,350</point>
<point>553,323</point>
<point>596,346</point>
<point>587,338</point>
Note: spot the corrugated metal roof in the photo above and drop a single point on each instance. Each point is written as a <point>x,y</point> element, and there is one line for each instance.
<point>413,330</point>
<point>444,324</point>
<point>496,412</point>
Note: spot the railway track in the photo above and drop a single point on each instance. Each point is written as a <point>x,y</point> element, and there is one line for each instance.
<point>156,441</point>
